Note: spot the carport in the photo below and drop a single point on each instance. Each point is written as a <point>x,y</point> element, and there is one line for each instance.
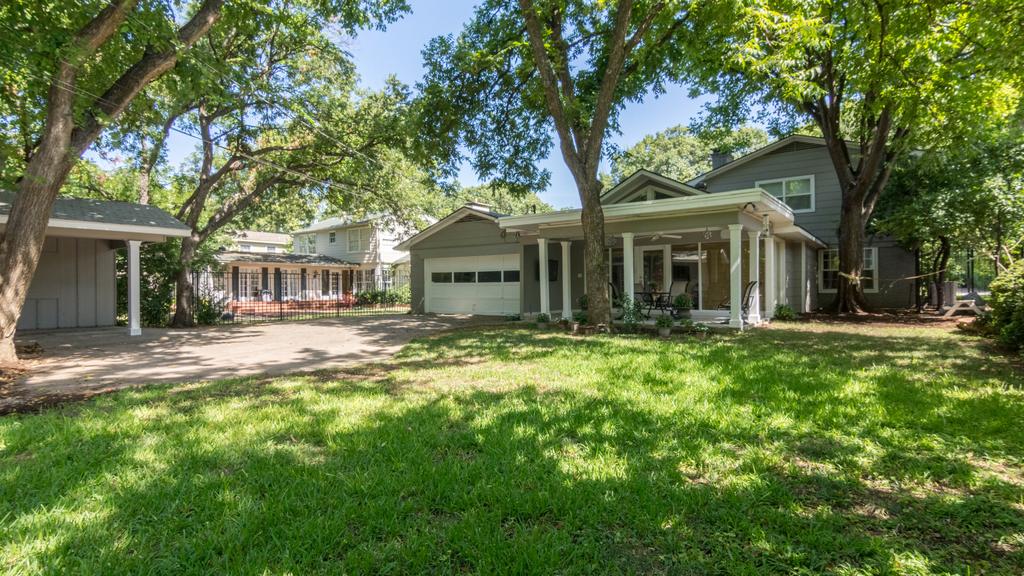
<point>75,285</point>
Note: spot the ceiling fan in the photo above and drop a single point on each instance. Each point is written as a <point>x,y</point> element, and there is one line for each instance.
<point>661,235</point>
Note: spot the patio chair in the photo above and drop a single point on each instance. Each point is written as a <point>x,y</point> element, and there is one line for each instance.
<point>616,299</point>
<point>748,295</point>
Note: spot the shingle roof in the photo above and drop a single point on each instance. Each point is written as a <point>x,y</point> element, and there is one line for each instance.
<point>103,211</point>
<point>332,223</point>
<point>265,237</point>
<point>280,258</point>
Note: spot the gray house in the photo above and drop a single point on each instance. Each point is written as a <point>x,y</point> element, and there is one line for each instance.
<point>752,233</point>
<point>75,284</point>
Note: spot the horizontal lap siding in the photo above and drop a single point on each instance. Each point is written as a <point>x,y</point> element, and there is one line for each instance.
<point>473,238</point>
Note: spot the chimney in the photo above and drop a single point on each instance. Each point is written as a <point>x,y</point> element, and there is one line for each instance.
<point>719,159</point>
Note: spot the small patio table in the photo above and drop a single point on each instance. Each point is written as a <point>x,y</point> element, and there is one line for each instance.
<point>655,300</point>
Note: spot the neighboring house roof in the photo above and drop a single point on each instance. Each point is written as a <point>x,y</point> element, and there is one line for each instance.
<point>334,223</point>
<point>262,237</point>
<point>472,210</point>
<point>105,215</point>
<point>642,177</point>
<point>226,257</point>
<point>763,151</point>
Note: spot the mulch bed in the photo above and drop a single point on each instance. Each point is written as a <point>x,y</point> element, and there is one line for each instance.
<point>889,317</point>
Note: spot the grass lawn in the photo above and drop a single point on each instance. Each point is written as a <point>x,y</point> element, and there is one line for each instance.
<point>805,448</point>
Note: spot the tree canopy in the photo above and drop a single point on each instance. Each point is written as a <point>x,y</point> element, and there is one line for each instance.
<point>886,76</point>
<point>680,153</point>
<point>524,74</point>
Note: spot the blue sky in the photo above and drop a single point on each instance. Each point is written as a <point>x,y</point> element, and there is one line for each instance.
<point>396,51</point>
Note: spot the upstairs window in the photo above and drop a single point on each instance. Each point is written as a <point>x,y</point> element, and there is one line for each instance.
<point>332,237</point>
<point>358,239</point>
<point>797,193</point>
<point>246,248</point>
<point>305,244</point>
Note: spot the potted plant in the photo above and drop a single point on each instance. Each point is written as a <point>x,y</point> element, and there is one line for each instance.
<point>543,320</point>
<point>664,324</point>
<point>681,305</point>
<point>579,321</point>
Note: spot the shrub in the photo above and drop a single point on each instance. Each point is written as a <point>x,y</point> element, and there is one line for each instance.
<point>632,314</point>
<point>543,318</point>
<point>683,302</point>
<point>207,311</point>
<point>664,321</point>
<point>1008,306</point>
<point>583,301</point>
<point>690,327</point>
<point>784,312</point>
<point>581,317</point>
<point>392,297</point>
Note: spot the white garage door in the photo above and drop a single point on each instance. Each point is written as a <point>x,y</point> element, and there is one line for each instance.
<point>472,285</point>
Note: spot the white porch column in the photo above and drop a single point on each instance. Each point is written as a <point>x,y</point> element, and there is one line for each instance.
<point>771,287</point>
<point>804,292</point>
<point>627,265</point>
<point>782,275</point>
<point>666,268</point>
<point>566,282</point>
<point>545,287</point>
<point>134,317</point>
<point>754,312</point>
<point>736,275</point>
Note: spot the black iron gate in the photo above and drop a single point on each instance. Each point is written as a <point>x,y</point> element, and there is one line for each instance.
<point>269,294</point>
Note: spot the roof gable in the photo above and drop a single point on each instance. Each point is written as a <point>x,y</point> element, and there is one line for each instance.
<point>467,213</point>
<point>646,185</point>
<point>787,144</point>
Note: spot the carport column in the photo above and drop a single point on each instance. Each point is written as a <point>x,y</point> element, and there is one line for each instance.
<point>627,265</point>
<point>134,319</point>
<point>736,275</point>
<point>542,266</point>
<point>770,284</point>
<point>754,312</point>
<point>566,282</point>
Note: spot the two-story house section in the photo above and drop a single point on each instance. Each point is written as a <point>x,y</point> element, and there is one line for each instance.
<point>257,241</point>
<point>798,171</point>
<point>368,243</point>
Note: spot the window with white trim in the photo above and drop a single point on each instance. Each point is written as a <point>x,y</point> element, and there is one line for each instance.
<point>797,192</point>
<point>358,239</point>
<point>306,244</point>
<point>828,270</point>
<point>332,237</point>
<point>246,248</point>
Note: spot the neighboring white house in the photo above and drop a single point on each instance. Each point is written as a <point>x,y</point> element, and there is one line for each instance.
<point>369,244</point>
<point>256,241</point>
<point>75,283</point>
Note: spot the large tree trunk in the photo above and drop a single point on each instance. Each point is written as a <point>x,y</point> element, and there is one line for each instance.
<point>22,242</point>
<point>594,255</point>
<point>850,292</point>
<point>184,292</point>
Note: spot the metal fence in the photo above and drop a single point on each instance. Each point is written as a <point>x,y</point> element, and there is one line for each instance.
<point>264,295</point>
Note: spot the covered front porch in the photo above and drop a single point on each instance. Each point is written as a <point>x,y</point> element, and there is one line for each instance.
<point>736,254</point>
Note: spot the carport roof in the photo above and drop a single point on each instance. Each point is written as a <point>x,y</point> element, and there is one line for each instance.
<point>122,219</point>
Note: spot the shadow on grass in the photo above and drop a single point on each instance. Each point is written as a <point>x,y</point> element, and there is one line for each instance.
<point>761,453</point>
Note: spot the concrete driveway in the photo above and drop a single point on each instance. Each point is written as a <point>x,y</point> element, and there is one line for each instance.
<point>80,363</point>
